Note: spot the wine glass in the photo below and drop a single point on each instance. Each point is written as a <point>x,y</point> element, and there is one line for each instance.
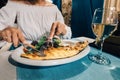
<point>104,23</point>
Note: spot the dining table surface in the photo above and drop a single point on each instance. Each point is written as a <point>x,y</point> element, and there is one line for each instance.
<point>81,69</point>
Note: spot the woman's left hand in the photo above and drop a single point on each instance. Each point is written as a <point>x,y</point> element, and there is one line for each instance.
<point>57,28</point>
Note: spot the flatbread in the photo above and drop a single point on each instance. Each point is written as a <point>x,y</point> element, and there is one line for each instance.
<point>58,53</point>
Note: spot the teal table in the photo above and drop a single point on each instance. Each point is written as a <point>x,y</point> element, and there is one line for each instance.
<point>82,69</point>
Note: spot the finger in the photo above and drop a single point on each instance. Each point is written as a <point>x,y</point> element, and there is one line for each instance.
<point>58,30</point>
<point>8,34</point>
<point>52,31</point>
<point>15,39</point>
<point>21,37</point>
<point>4,36</point>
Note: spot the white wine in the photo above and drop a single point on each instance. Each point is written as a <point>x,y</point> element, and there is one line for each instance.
<point>103,30</point>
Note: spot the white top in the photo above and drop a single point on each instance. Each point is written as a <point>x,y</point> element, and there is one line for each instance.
<point>34,21</point>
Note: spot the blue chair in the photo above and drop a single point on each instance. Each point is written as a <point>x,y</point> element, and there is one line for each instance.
<point>58,3</point>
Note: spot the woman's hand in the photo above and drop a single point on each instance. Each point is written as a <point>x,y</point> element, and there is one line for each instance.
<point>57,28</point>
<point>12,34</point>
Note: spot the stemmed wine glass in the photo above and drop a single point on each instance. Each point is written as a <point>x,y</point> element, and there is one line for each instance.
<point>104,23</point>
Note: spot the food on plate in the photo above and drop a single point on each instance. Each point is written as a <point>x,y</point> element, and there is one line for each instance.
<point>56,52</point>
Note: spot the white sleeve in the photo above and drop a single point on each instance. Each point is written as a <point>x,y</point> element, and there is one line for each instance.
<point>7,16</point>
<point>59,17</point>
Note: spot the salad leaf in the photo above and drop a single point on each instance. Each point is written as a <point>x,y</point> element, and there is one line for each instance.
<point>41,42</point>
<point>55,41</point>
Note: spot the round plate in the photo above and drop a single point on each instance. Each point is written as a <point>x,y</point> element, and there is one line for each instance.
<point>16,56</point>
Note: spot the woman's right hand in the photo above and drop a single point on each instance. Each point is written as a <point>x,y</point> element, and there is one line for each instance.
<point>12,34</point>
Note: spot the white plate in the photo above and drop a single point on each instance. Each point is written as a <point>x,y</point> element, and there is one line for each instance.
<point>16,56</point>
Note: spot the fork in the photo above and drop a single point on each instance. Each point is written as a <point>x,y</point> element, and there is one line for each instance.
<point>30,48</point>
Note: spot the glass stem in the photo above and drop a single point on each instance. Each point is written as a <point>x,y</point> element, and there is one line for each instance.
<point>101,46</point>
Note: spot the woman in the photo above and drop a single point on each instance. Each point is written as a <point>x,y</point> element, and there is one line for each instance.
<point>35,18</point>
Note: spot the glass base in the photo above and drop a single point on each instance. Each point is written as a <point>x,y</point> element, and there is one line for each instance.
<point>99,59</point>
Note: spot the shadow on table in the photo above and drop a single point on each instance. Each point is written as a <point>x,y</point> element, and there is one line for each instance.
<point>60,72</point>
<point>115,73</point>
